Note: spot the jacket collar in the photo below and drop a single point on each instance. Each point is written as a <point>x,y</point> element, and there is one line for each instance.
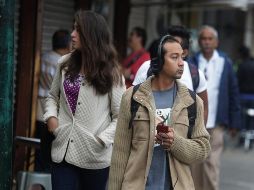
<point>145,97</point>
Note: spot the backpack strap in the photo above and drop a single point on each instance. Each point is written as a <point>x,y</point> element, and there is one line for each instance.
<point>135,58</point>
<point>194,75</point>
<point>192,114</point>
<point>134,105</point>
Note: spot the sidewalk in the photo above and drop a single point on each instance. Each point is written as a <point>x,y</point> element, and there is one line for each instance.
<point>237,167</point>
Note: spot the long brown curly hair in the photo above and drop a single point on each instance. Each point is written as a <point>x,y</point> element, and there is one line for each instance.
<point>97,53</point>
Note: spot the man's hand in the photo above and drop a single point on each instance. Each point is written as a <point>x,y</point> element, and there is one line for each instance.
<point>52,124</point>
<point>232,132</point>
<point>127,73</point>
<point>165,139</point>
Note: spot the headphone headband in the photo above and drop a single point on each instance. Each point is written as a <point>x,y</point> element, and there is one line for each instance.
<point>160,44</point>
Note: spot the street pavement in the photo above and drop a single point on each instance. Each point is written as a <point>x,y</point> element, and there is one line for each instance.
<point>237,168</point>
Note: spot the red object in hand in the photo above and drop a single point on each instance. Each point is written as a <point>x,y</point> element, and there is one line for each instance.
<point>161,128</point>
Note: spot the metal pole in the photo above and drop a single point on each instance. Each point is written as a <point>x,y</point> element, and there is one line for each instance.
<point>6,91</point>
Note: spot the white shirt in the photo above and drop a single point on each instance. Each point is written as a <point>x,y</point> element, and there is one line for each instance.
<point>186,79</point>
<point>213,70</point>
<point>48,68</point>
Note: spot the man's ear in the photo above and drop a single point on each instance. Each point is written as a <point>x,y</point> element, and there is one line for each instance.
<point>185,52</point>
<point>199,42</point>
<point>217,43</point>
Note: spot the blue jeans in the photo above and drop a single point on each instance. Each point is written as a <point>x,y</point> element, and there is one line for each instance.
<point>69,177</point>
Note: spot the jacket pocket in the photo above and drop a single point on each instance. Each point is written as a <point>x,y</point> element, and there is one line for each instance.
<point>181,126</point>
<point>141,126</point>
<point>90,140</point>
<point>56,131</point>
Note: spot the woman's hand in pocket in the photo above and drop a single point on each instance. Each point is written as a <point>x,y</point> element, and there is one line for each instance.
<point>100,141</point>
<point>52,124</point>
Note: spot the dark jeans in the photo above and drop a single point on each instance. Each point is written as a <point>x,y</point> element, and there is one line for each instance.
<point>68,177</point>
<point>43,155</point>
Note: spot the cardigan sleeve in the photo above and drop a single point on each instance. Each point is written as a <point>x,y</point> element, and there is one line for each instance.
<point>121,147</point>
<point>107,136</point>
<point>198,147</point>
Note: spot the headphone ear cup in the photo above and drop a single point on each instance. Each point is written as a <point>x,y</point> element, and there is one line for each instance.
<point>161,60</point>
<point>157,63</point>
<point>155,66</point>
<point>160,53</point>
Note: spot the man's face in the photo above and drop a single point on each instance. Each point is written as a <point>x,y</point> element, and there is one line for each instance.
<point>173,60</point>
<point>207,41</point>
<point>133,40</point>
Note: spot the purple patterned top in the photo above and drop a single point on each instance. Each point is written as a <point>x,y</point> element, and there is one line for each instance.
<point>72,90</point>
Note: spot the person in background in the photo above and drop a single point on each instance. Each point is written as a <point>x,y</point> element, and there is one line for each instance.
<point>149,157</point>
<point>223,102</point>
<point>138,55</point>
<point>245,71</point>
<point>193,78</point>
<point>245,75</point>
<point>61,41</point>
<point>82,106</point>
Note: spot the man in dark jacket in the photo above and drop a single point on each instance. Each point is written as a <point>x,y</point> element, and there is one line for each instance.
<point>223,104</point>
<point>245,72</point>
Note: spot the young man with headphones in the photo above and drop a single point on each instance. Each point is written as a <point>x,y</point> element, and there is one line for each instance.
<point>192,77</point>
<point>152,151</point>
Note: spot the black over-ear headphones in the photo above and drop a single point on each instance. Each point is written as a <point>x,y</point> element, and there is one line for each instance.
<point>157,63</point>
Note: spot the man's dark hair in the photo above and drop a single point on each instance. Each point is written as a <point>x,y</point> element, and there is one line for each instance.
<point>174,30</point>
<point>61,39</point>
<point>244,52</point>
<point>141,33</point>
<point>182,32</point>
